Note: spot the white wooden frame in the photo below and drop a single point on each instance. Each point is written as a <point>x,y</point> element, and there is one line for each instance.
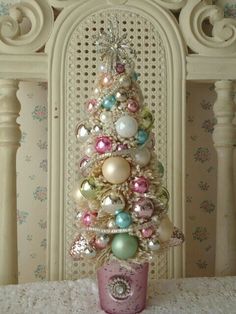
<point>213,59</point>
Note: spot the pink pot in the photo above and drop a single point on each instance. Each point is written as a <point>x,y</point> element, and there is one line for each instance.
<point>122,290</point>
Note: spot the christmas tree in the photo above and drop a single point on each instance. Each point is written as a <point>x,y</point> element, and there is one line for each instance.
<point>121,202</point>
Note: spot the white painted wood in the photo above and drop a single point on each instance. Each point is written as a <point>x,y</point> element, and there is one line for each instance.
<point>24,66</point>
<point>221,41</point>
<point>224,138</point>
<point>200,68</point>
<point>9,142</point>
<point>40,16</point>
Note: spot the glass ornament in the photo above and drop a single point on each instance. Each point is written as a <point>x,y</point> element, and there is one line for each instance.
<point>140,185</point>
<point>143,207</point>
<point>82,132</point>
<point>109,102</point>
<point>147,119</point>
<point>147,232</point>
<point>142,137</point>
<point>102,241</point>
<point>125,81</point>
<point>105,117</point>
<point>112,201</point>
<point>103,144</point>
<point>116,170</point>
<point>121,95</point>
<point>126,126</point>
<point>123,220</point>
<point>124,246</point>
<point>120,68</point>
<point>92,105</point>
<point>88,189</point>
<point>154,245</point>
<point>142,156</point>
<point>78,197</point>
<point>165,229</point>
<point>132,105</point>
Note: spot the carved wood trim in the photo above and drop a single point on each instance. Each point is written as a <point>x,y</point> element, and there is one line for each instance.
<point>40,15</point>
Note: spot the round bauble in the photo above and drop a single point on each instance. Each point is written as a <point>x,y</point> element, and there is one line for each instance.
<point>142,137</point>
<point>78,197</point>
<point>121,147</point>
<point>102,241</point>
<point>147,119</point>
<point>121,95</point>
<point>123,220</point>
<point>126,126</point>
<point>84,161</point>
<point>142,157</point>
<point>143,207</point>
<point>107,80</point>
<point>109,102</point>
<point>92,105</point>
<point>120,68</point>
<point>112,202</point>
<point>88,189</point>
<point>82,132</point>
<point>154,245</point>
<point>116,170</point>
<point>132,105</point>
<point>88,218</point>
<point>124,246</point>
<point>103,144</point>
<point>125,81</point>
<point>105,117</point>
<point>89,150</point>
<point>165,229</point>
<point>147,232</point>
<point>140,185</point>
<point>111,224</point>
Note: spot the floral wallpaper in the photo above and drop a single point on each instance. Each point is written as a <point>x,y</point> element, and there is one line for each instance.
<point>32,176</point>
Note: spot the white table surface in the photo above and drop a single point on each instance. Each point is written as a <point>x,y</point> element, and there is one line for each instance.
<point>191,295</point>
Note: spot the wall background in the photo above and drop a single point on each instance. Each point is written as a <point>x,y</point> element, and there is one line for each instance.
<point>32,176</point>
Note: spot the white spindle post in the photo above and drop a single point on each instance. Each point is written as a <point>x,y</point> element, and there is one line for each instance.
<point>224,138</point>
<point>9,142</point>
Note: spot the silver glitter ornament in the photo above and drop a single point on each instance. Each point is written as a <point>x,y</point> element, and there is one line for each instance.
<point>81,248</point>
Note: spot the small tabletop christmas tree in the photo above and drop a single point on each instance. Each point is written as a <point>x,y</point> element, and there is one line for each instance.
<point>121,202</point>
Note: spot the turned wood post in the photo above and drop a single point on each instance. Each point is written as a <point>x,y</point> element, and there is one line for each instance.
<point>224,137</point>
<point>9,142</point>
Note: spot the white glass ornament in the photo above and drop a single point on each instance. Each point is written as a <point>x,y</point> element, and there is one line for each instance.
<point>125,81</point>
<point>105,117</point>
<point>89,150</point>
<point>142,157</point>
<point>126,126</point>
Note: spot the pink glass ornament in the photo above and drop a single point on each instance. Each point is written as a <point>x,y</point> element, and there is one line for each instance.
<point>140,185</point>
<point>107,80</point>
<point>122,147</point>
<point>147,232</point>
<point>102,241</point>
<point>92,105</point>
<point>84,161</point>
<point>122,290</point>
<point>143,207</point>
<point>103,144</point>
<point>132,105</point>
<point>120,68</point>
<point>88,218</point>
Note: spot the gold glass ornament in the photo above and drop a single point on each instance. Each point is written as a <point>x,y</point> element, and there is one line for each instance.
<point>88,189</point>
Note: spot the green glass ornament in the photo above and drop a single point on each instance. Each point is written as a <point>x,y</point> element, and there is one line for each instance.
<point>147,119</point>
<point>124,246</point>
<point>88,189</point>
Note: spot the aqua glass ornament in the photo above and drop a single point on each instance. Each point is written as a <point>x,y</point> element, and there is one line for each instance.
<point>109,102</point>
<point>124,246</point>
<point>142,137</point>
<point>123,220</point>
<point>135,76</point>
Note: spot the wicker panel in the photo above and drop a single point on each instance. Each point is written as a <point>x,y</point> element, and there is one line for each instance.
<point>80,72</point>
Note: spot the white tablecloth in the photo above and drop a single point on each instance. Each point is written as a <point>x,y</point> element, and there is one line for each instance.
<point>192,295</point>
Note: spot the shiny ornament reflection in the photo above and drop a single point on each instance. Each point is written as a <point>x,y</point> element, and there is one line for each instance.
<point>109,102</point>
<point>142,157</point>
<point>88,189</point>
<point>140,185</point>
<point>143,207</point>
<point>123,220</point>
<point>116,170</point>
<point>82,132</point>
<point>112,202</point>
<point>103,144</point>
<point>165,229</point>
